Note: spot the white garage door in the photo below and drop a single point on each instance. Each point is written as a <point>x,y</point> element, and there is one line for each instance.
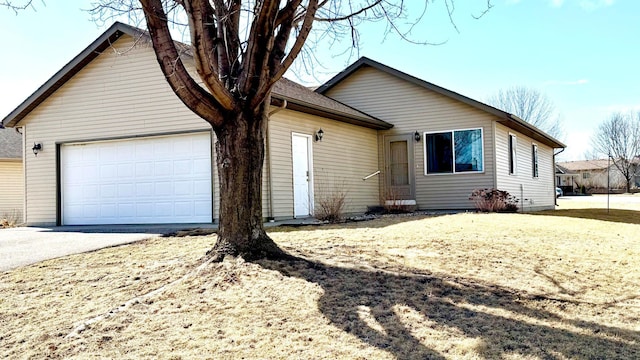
<point>163,179</point>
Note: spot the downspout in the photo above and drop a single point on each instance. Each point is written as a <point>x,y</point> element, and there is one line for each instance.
<point>24,174</point>
<point>494,131</point>
<point>555,198</point>
<point>271,217</point>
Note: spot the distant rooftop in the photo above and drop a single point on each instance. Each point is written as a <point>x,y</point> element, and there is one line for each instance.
<point>582,165</point>
<point>10,144</point>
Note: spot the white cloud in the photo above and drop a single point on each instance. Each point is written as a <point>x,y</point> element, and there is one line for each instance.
<point>556,3</point>
<point>591,5</point>
<point>621,108</point>
<point>570,82</point>
<point>586,5</point>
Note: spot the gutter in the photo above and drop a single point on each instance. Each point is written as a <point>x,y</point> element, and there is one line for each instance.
<point>535,130</point>
<point>299,105</point>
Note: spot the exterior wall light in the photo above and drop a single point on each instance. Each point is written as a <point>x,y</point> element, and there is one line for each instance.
<point>319,135</point>
<point>37,147</point>
<point>416,136</point>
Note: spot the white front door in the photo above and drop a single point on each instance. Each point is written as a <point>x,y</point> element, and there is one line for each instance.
<point>302,176</point>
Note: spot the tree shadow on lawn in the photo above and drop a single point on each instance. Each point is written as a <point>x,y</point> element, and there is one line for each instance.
<point>440,304</point>
<point>613,215</point>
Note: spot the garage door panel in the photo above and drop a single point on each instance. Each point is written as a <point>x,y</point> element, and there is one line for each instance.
<point>200,166</point>
<point>184,208</point>
<point>202,208</point>
<point>90,192</point>
<point>201,188</point>
<point>91,210</point>
<point>144,180</point>
<point>124,151</point>
<point>163,209</point>
<point>183,167</point>
<point>126,171</point>
<point>126,190</point>
<point>144,190</point>
<point>144,169</point>
<point>182,147</point>
<point>108,154</point>
<point>108,191</point>
<point>163,189</point>
<point>108,210</point>
<point>89,154</point>
<point>163,168</point>
<point>108,171</point>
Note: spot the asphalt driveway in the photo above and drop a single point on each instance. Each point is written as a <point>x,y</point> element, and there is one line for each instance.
<point>28,245</point>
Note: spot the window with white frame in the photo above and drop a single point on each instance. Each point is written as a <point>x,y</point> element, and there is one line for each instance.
<point>534,160</point>
<point>513,146</point>
<point>455,151</point>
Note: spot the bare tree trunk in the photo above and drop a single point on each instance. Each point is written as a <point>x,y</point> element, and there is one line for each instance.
<point>240,158</point>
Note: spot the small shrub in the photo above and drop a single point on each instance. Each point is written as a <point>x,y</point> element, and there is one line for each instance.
<point>331,204</point>
<point>391,201</point>
<point>8,220</point>
<point>494,200</point>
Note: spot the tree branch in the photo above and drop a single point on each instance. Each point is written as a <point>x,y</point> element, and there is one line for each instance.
<point>204,39</point>
<point>204,104</point>
<point>353,14</point>
<point>279,67</point>
<point>259,46</point>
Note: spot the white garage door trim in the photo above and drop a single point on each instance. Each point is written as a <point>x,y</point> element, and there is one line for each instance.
<point>150,180</point>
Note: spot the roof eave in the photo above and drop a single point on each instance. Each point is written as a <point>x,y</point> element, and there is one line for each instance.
<point>107,39</point>
<point>516,123</point>
<point>508,119</point>
<point>297,105</point>
<point>69,70</point>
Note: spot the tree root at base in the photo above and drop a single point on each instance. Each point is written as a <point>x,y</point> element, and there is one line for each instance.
<point>136,300</point>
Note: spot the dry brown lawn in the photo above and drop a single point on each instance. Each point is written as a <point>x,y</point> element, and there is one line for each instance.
<point>552,285</point>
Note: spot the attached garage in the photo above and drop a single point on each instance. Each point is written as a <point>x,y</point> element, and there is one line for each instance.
<point>150,180</point>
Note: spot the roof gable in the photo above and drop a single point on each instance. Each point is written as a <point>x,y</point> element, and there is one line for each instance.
<point>297,97</point>
<point>509,120</point>
<point>69,70</point>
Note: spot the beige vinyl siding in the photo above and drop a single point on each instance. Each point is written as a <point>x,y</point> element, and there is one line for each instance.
<point>12,190</point>
<point>413,108</point>
<point>535,193</point>
<point>346,154</point>
<point>120,93</point>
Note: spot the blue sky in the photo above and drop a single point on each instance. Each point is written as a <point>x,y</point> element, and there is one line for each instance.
<point>584,55</point>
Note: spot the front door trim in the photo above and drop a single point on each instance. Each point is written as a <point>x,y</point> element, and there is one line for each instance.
<point>310,196</point>
<point>388,139</point>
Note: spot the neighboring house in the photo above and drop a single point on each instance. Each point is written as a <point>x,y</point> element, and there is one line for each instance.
<point>566,180</point>
<point>592,176</point>
<point>11,176</point>
<point>118,146</point>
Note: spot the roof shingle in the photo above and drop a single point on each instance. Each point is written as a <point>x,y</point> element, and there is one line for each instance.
<point>10,144</point>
